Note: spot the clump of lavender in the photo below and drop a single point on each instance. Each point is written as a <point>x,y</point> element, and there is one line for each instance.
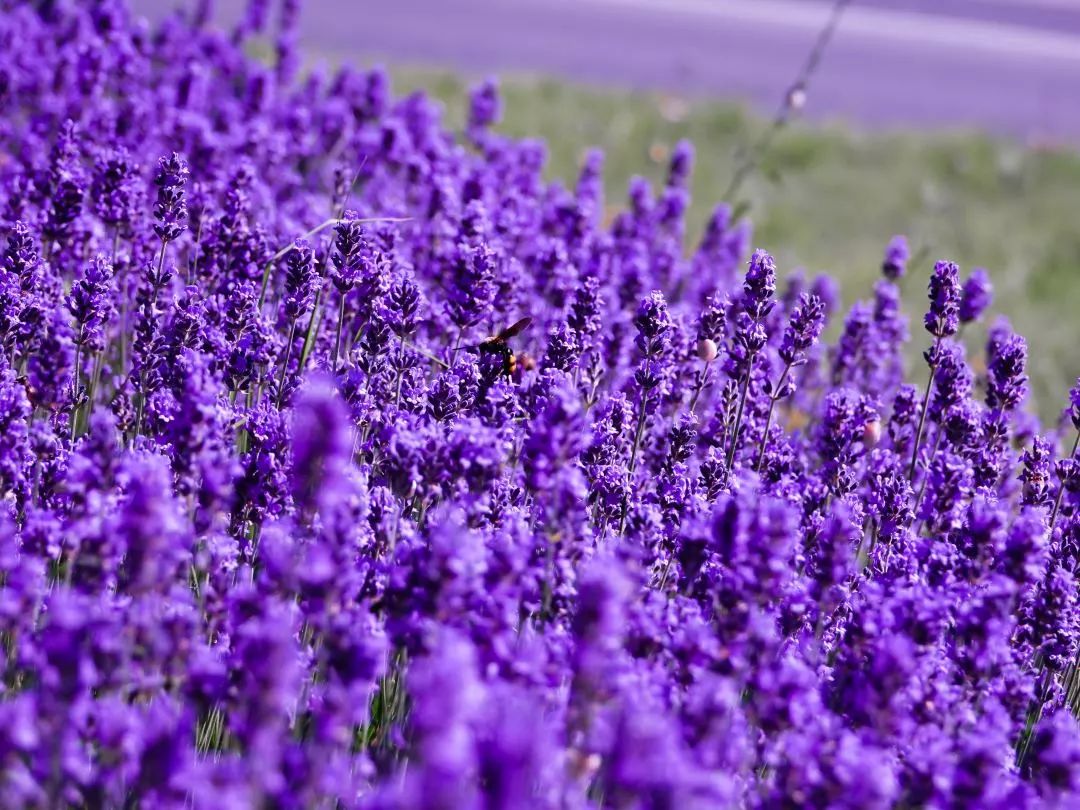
<point>270,542</point>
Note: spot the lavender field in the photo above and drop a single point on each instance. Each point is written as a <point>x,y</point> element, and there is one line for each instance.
<point>348,462</point>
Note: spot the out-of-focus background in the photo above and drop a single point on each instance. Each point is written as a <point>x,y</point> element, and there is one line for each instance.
<point>953,121</point>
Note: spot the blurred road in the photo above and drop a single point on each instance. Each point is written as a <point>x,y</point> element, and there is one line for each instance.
<point>1009,66</point>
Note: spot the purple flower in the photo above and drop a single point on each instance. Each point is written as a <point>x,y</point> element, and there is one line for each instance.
<point>943,317</point>
<point>1006,382</point>
<point>759,285</point>
<point>149,527</point>
<point>170,210</point>
<point>856,343</point>
<point>65,183</point>
<point>1036,473</point>
<point>598,626</point>
<point>653,324</point>
<point>896,258</point>
<point>50,365</point>
<point>1054,757</point>
<point>953,379</point>
<point>300,280</point>
<point>403,308</point>
<point>115,191</point>
<point>682,163</point>
<point>485,106</point>
<point>266,541</point>
<point>321,445</point>
<point>447,696</point>
<point>1074,404</point>
<point>15,450</point>
<point>352,249</point>
<point>90,305</point>
<point>803,329</point>
<point>473,289</point>
<point>977,296</point>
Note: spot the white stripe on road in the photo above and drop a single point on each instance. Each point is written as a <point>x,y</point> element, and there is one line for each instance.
<point>999,39</point>
<point>1067,5</point>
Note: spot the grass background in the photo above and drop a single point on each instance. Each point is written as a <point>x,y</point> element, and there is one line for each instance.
<point>828,198</point>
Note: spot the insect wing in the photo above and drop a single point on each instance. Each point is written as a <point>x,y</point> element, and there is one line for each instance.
<point>514,329</point>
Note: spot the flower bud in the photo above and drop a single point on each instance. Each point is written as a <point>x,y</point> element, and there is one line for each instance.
<point>796,97</point>
<point>706,350</point>
<point>872,432</point>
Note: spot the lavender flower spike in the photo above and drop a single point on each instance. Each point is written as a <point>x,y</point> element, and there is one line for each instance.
<point>976,297</point>
<point>896,258</point>
<point>943,317</point>
<point>170,210</point>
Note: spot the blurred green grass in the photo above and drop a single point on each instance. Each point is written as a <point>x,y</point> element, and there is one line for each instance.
<point>828,198</point>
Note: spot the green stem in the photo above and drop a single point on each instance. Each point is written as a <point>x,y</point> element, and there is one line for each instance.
<point>161,257</point>
<point>1033,716</point>
<point>285,364</point>
<point>633,457</point>
<point>193,264</point>
<point>922,413</point>
<point>457,345</point>
<point>768,419</point>
<point>95,380</point>
<point>400,369</point>
<point>270,262</point>
<point>739,413</point>
<point>320,227</point>
<point>75,382</point>
<point>337,336</point>
<point>926,479</point>
<point>1061,487</point>
<point>140,403</point>
<point>309,335</point>
<point>752,159</point>
<point>142,382</point>
<point>703,375</point>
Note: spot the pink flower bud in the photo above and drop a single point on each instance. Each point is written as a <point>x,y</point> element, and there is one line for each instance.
<point>706,350</point>
<point>872,432</point>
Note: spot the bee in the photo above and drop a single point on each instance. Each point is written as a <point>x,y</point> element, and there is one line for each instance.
<point>498,345</point>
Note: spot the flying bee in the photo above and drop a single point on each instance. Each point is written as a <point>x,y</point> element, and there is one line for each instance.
<point>498,345</point>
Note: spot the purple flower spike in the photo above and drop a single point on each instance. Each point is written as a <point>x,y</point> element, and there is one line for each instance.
<point>170,210</point>
<point>759,285</point>
<point>803,329</point>
<point>943,317</point>
<point>977,296</point>
<point>896,258</point>
<point>1007,383</point>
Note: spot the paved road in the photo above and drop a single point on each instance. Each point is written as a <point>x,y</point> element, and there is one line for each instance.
<point>1009,66</point>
